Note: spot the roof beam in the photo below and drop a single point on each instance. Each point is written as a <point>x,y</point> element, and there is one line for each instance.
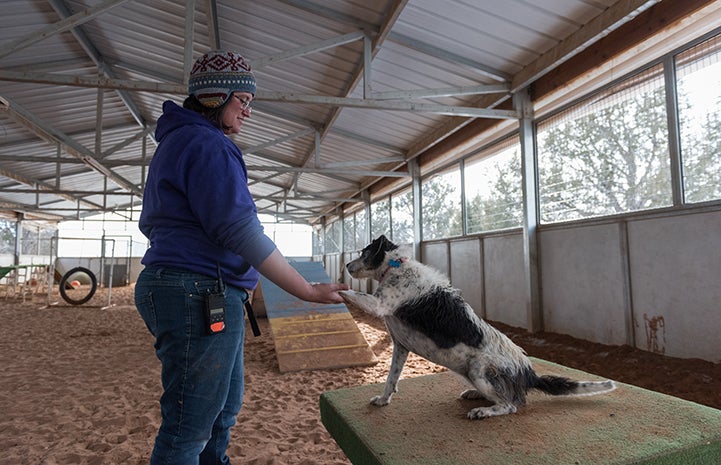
<point>211,15</point>
<point>92,51</point>
<point>92,82</point>
<point>349,102</point>
<point>444,92</point>
<point>40,187</point>
<point>260,63</point>
<point>382,32</point>
<point>63,25</point>
<point>52,135</point>
<point>327,171</point>
<point>340,102</point>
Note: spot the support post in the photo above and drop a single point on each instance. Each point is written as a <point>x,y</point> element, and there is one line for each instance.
<point>522,103</point>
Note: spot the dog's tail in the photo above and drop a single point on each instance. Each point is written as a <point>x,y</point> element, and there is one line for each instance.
<point>559,386</point>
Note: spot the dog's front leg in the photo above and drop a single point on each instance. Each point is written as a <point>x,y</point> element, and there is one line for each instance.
<point>400,355</point>
<point>366,302</point>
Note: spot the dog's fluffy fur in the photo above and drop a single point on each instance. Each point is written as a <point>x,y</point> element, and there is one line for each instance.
<point>427,316</point>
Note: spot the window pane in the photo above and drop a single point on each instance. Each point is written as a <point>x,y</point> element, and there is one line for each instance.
<point>380,219</point>
<point>441,204</point>
<point>402,214</point>
<point>349,234</point>
<point>361,230</point>
<point>318,241</point>
<point>332,238</point>
<point>608,154</point>
<point>699,94</point>
<point>494,197</point>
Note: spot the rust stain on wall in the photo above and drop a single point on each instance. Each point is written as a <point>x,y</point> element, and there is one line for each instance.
<point>653,326</point>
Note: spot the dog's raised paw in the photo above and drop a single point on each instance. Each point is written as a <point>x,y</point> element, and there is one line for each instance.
<point>380,401</point>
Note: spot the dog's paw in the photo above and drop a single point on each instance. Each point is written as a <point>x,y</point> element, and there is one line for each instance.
<point>349,296</point>
<point>472,394</point>
<point>479,413</point>
<point>380,401</point>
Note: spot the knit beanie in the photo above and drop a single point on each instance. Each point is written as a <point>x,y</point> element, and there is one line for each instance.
<point>217,74</point>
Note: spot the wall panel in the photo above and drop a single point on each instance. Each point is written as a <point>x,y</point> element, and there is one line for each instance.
<point>675,265</point>
<point>466,272</point>
<point>584,284</point>
<point>506,299</point>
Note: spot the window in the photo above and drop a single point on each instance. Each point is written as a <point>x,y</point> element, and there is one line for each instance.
<point>441,203</point>
<point>318,247</point>
<point>349,234</point>
<point>361,230</point>
<point>333,237</point>
<point>608,154</point>
<point>380,219</point>
<point>698,75</point>
<point>493,190</point>
<point>402,216</point>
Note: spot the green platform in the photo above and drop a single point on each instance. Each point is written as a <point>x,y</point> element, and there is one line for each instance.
<point>425,424</point>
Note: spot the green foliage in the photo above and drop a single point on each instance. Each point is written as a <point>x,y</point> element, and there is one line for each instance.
<point>701,152</point>
<point>7,237</point>
<point>614,159</point>
<point>441,209</point>
<point>502,207</point>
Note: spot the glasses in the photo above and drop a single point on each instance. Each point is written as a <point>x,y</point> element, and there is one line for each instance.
<point>244,104</point>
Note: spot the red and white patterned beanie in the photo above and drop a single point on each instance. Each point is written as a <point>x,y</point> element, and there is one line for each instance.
<point>217,74</point>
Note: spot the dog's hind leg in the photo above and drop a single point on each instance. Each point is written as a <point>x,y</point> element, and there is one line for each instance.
<point>472,394</point>
<point>503,387</point>
<point>400,355</point>
<point>485,390</point>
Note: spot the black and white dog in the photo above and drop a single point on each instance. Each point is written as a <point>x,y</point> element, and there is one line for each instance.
<point>427,316</point>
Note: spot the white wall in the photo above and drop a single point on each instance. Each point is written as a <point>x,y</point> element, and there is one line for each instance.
<point>652,281</point>
<point>675,267</point>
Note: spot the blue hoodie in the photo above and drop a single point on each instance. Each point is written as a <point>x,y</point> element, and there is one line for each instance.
<point>197,209</point>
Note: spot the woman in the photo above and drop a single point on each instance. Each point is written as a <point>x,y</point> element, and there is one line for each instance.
<point>207,248</point>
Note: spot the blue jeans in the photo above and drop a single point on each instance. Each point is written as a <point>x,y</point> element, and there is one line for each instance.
<point>202,374</point>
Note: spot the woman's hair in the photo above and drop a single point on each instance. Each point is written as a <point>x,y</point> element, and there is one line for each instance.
<point>214,115</point>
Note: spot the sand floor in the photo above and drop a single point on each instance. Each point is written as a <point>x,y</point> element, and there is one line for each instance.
<point>80,385</point>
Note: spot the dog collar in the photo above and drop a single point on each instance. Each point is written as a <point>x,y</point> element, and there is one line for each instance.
<point>393,263</point>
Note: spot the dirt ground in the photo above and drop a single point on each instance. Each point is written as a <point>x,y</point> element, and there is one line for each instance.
<point>90,384</point>
<point>691,379</point>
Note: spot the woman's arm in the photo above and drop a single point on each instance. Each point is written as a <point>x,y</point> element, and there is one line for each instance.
<point>276,268</point>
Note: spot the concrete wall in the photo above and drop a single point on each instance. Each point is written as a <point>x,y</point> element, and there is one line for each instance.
<point>650,281</point>
<point>675,265</point>
<point>466,260</point>
<point>506,300</point>
<point>585,283</point>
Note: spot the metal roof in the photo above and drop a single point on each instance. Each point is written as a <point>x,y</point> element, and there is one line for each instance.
<point>349,91</point>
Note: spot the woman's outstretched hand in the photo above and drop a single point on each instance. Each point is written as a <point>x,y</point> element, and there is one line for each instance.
<point>327,293</point>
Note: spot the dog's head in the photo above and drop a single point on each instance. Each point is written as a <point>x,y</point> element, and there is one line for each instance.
<point>371,262</point>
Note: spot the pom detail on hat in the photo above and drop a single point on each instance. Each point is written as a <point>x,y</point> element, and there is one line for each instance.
<point>217,74</point>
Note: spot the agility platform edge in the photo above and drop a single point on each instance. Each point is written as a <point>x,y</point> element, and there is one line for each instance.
<point>426,424</point>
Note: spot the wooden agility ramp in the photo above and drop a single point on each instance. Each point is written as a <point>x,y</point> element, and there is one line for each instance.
<point>311,336</point>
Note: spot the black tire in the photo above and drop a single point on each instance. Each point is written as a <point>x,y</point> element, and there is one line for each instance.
<point>64,282</point>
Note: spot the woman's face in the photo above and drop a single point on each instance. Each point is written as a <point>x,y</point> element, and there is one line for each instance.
<point>236,111</point>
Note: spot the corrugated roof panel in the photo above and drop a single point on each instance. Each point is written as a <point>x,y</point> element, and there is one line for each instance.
<point>428,44</point>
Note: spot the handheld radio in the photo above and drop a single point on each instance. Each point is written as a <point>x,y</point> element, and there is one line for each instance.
<point>215,308</point>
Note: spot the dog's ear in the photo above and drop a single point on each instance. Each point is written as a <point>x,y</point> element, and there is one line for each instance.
<point>376,252</point>
<point>387,245</point>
